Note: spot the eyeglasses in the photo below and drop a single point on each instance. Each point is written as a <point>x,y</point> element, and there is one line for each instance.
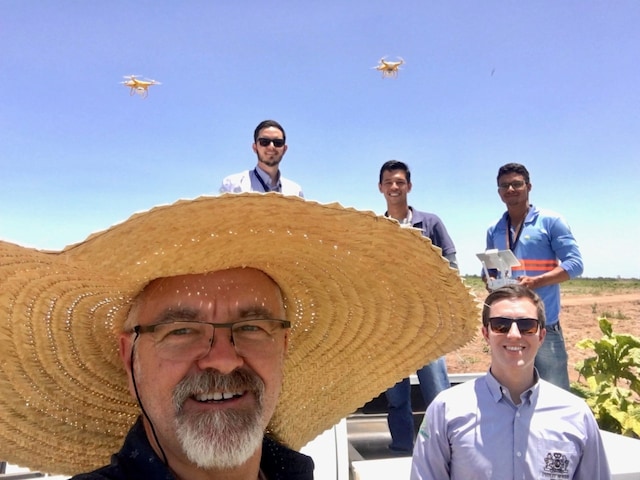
<point>189,341</point>
<point>277,142</point>
<point>502,325</point>
<point>516,185</point>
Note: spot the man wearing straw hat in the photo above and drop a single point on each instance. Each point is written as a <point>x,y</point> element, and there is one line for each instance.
<point>201,349</point>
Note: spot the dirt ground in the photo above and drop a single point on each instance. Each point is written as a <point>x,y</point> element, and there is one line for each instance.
<point>579,320</point>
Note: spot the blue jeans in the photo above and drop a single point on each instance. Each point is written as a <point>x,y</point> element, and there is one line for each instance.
<point>552,360</point>
<point>433,379</point>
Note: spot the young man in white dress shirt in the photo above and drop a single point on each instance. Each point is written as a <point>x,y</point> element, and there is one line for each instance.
<point>269,145</point>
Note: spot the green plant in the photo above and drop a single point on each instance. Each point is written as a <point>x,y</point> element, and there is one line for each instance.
<point>475,283</point>
<point>598,286</point>
<point>621,316</point>
<point>610,383</point>
<point>618,315</point>
<point>577,286</point>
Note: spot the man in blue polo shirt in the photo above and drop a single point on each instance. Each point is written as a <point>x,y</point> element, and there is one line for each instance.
<point>548,254</point>
<point>395,184</point>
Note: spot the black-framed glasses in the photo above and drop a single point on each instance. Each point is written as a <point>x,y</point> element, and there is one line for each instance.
<point>516,185</point>
<point>191,340</point>
<point>502,325</point>
<point>277,142</point>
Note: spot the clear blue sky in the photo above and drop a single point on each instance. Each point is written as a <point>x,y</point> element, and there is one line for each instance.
<point>552,84</point>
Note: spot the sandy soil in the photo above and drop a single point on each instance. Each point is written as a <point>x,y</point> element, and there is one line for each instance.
<point>579,320</point>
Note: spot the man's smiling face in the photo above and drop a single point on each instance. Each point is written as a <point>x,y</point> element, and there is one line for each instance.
<point>212,406</point>
<point>394,186</point>
<point>513,352</point>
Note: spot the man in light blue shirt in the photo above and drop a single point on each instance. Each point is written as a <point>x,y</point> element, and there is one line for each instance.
<point>548,254</point>
<point>510,423</point>
<point>269,145</point>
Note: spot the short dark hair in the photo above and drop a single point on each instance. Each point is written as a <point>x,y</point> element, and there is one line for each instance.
<point>513,168</point>
<point>512,292</point>
<point>266,124</point>
<point>395,165</point>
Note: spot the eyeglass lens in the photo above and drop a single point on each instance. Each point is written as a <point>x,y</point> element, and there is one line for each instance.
<point>516,185</point>
<point>277,142</point>
<point>526,326</point>
<point>187,340</point>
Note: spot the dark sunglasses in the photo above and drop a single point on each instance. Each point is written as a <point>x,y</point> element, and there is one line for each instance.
<point>516,185</point>
<point>277,142</point>
<point>526,326</point>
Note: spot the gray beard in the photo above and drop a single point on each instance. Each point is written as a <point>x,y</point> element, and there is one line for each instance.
<point>222,439</point>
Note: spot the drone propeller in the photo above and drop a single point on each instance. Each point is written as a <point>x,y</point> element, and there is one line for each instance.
<point>380,63</point>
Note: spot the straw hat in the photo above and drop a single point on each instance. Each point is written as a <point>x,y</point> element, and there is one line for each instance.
<point>370,303</point>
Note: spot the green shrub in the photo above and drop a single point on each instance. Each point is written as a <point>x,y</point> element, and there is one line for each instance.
<point>617,315</point>
<point>609,380</point>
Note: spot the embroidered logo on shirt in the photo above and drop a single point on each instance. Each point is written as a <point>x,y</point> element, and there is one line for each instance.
<point>556,465</point>
<point>424,429</point>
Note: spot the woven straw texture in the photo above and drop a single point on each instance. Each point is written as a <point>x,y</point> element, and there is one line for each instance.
<point>370,303</point>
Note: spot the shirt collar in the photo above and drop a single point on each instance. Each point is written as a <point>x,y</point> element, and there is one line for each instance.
<point>266,179</point>
<point>407,221</point>
<point>497,390</point>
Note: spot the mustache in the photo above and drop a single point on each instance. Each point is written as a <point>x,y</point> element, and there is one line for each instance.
<point>208,381</point>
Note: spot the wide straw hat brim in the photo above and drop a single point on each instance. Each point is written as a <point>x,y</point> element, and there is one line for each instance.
<point>370,302</point>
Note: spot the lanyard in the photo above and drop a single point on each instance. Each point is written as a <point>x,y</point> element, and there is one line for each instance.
<point>265,187</point>
<point>511,242</point>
